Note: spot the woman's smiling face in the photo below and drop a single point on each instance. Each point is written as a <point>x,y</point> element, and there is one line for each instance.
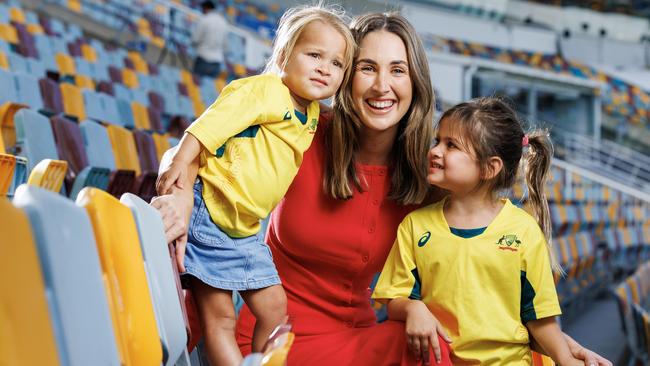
<point>381,86</point>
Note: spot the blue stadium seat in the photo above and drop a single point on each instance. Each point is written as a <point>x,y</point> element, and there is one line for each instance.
<point>8,91</point>
<point>111,110</point>
<point>73,276</point>
<point>82,66</point>
<point>28,91</point>
<point>35,67</point>
<point>17,63</point>
<point>93,105</point>
<point>98,146</point>
<point>125,112</point>
<point>122,92</point>
<point>167,305</point>
<point>34,137</point>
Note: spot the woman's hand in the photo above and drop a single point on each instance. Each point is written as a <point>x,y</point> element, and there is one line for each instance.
<point>176,212</point>
<point>422,329</point>
<point>589,357</point>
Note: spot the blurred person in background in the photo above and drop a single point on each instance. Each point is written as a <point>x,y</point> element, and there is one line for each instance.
<point>209,40</point>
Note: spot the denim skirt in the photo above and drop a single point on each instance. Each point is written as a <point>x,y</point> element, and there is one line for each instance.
<point>222,262</point>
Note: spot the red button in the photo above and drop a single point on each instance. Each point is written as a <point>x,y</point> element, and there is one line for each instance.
<point>371,229</point>
<point>375,202</point>
<point>365,258</point>
<point>348,323</point>
<point>346,286</point>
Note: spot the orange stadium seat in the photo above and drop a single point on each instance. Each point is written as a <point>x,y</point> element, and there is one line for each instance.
<point>26,334</point>
<point>65,63</point>
<point>73,101</point>
<point>49,174</point>
<point>123,265</point>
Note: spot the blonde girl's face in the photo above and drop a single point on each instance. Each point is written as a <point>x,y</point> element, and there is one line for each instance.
<point>452,164</point>
<point>382,90</point>
<point>315,68</point>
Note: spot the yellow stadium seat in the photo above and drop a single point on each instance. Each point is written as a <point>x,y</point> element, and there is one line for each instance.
<point>49,174</point>
<point>198,107</point>
<point>35,29</point>
<point>541,360</point>
<point>73,101</point>
<point>84,82</point>
<point>7,166</point>
<point>26,334</point>
<point>89,53</point>
<point>162,144</point>
<point>4,64</point>
<point>139,63</point>
<point>130,78</point>
<point>140,116</point>
<point>65,64</point>
<point>124,150</point>
<point>16,15</point>
<point>219,83</point>
<point>74,5</point>
<point>158,41</point>
<point>8,33</point>
<point>118,245</point>
<point>187,79</point>
<point>7,112</point>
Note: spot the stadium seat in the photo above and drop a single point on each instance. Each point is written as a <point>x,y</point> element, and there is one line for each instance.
<point>52,100</point>
<point>161,277</point>
<point>7,94</point>
<point>28,91</point>
<point>140,116</point>
<point>7,167</point>
<point>34,137</point>
<point>162,144</point>
<point>24,314</point>
<point>48,174</point>
<point>73,101</point>
<point>121,258</point>
<point>124,149</point>
<point>73,277</point>
<point>100,154</point>
<point>65,64</point>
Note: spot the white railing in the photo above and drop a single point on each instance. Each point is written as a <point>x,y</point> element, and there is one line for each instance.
<point>605,158</point>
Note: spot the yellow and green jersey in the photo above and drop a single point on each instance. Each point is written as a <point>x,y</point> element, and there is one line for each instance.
<point>482,289</point>
<point>253,143</point>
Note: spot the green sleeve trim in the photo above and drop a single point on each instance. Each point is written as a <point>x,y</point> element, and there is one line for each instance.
<point>527,311</point>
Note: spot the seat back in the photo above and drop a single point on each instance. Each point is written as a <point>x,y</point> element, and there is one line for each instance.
<point>97,144</point>
<point>7,167</point>
<point>124,150</point>
<point>48,174</point>
<point>28,91</point>
<point>161,276</point>
<point>121,258</point>
<point>8,91</point>
<point>73,276</point>
<point>146,151</point>
<point>51,93</point>
<point>69,144</point>
<point>24,313</point>
<point>73,101</point>
<point>34,137</point>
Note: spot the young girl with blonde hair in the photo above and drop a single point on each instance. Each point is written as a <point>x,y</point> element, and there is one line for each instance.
<point>247,147</point>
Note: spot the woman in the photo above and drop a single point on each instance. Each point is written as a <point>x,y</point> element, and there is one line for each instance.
<point>333,230</point>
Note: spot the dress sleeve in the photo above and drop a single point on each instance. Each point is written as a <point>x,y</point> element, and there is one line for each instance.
<point>399,277</point>
<point>237,108</point>
<point>538,296</point>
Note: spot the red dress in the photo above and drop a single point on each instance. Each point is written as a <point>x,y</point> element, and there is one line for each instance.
<point>326,252</point>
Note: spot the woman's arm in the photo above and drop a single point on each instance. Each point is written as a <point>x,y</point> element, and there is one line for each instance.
<point>587,356</point>
<point>176,208</point>
<point>549,337</point>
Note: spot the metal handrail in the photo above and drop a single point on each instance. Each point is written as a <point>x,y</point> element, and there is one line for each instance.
<point>604,157</point>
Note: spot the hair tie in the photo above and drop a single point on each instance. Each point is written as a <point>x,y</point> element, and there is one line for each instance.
<point>524,141</point>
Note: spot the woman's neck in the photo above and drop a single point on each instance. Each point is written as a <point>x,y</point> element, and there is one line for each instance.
<point>375,146</point>
<point>471,211</point>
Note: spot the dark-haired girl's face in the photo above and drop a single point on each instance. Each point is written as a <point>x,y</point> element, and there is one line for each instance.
<point>452,164</point>
<point>381,86</point>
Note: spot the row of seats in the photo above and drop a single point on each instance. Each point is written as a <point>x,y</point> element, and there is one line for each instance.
<point>620,98</point>
<point>633,300</point>
<point>97,285</point>
<point>108,157</point>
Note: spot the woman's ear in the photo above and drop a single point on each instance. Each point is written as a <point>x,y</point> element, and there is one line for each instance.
<point>494,166</point>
